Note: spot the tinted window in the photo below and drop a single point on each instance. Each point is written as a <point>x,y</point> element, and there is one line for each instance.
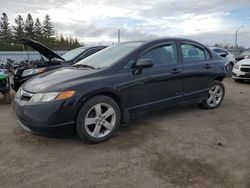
<point>208,55</point>
<point>193,53</point>
<point>166,54</point>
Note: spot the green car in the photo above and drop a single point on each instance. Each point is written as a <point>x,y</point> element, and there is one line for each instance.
<point>5,86</point>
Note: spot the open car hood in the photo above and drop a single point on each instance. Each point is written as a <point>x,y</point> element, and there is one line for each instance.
<point>45,51</point>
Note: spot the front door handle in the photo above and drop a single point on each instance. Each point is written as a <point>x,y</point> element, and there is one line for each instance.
<point>175,71</point>
<point>208,66</point>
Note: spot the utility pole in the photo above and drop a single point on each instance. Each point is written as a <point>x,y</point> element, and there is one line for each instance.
<point>236,36</point>
<point>119,36</point>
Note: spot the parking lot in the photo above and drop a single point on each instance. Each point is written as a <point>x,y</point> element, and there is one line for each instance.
<point>179,147</point>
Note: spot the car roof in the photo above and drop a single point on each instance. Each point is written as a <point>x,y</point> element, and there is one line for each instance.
<point>164,40</point>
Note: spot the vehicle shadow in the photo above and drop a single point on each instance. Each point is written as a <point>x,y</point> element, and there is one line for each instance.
<point>140,130</point>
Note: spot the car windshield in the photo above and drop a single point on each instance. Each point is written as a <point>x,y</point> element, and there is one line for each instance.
<point>110,55</point>
<point>73,53</point>
<point>247,52</point>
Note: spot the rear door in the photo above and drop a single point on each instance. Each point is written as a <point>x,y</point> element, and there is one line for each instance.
<point>199,69</point>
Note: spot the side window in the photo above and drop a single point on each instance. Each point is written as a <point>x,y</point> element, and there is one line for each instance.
<point>166,54</point>
<point>208,55</point>
<point>192,53</point>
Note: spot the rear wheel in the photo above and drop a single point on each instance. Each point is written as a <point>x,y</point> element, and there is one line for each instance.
<point>215,97</point>
<point>98,119</point>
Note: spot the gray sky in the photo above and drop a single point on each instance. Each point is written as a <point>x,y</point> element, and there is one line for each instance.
<point>209,22</point>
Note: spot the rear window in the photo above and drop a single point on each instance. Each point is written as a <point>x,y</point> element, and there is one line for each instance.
<point>192,53</point>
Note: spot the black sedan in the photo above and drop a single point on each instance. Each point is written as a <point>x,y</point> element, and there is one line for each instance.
<point>54,61</point>
<point>98,94</point>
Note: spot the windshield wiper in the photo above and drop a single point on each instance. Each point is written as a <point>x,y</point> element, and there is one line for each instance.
<point>83,65</point>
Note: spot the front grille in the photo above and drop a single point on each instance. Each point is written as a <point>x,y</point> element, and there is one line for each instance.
<point>246,65</point>
<point>245,69</point>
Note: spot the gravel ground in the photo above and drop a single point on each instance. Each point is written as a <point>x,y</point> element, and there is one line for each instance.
<point>178,147</point>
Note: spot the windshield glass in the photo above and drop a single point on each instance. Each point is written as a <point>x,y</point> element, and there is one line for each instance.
<point>110,55</point>
<point>73,53</point>
<point>247,52</point>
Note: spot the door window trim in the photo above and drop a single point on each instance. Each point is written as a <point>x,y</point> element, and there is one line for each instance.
<point>206,51</point>
<point>158,46</point>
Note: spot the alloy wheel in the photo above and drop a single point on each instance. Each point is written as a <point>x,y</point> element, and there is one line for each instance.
<point>215,95</point>
<point>100,120</point>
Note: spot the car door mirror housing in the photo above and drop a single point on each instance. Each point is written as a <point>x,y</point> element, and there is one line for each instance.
<point>144,63</point>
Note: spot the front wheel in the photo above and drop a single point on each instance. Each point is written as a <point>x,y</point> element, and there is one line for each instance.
<point>98,119</point>
<point>215,97</point>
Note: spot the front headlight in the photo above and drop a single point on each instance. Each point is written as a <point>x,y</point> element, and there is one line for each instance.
<point>46,97</point>
<point>236,66</point>
<point>32,71</point>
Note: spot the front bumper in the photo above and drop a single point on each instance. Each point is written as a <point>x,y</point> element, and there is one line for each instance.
<point>49,119</point>
<point>238,74</point>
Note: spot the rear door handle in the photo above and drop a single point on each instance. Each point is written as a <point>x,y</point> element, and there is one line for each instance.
<point>175,71</point>
<point>208,66</point>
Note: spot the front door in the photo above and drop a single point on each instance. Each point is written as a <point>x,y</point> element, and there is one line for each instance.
<point>159,84</point>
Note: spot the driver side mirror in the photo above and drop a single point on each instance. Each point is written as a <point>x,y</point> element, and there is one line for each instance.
<point>142,64</point>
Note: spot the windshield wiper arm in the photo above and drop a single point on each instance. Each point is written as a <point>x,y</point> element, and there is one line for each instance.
<point>83,65</point>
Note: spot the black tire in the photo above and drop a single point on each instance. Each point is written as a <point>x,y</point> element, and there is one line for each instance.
<point>7,98</point>
<point>205,104</point>
<point>82,130</point>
